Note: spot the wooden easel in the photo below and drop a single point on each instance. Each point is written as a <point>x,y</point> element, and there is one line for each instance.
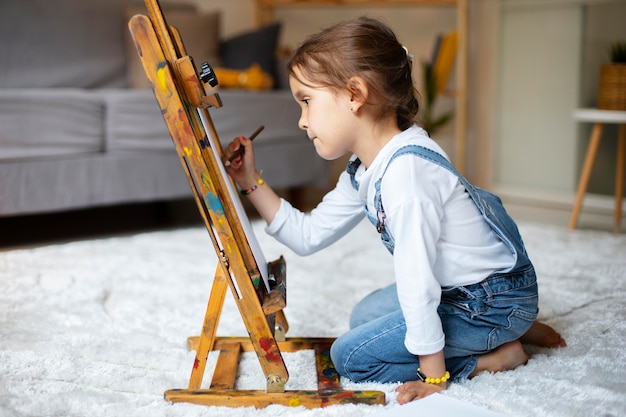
<point>184,102</point>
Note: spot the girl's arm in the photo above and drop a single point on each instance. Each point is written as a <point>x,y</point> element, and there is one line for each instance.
<point>412,197</point>
<point>304,233</point>
<point>243,171</point>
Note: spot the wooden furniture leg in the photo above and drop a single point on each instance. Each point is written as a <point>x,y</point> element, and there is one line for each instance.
<point>590,157</point>
<point>619,177</point>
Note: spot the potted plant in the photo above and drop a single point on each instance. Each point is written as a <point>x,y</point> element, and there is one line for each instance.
<point>430,122</point>
<point>612,90</point>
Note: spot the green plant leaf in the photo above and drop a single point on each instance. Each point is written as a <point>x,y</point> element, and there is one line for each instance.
<point>429,93</point>
<point>617,52</point>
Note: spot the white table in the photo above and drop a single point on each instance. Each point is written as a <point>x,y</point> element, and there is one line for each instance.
<point>599,118</point>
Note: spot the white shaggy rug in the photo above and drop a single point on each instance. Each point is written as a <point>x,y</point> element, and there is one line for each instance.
<point>98,328</point>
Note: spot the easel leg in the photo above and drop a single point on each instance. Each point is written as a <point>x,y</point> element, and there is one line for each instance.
<point>221,393</point>
<point>209,328</point>
<point>281,326</point>
<point>175,83</point>
<point>327,375</point>
<point>226,368</point>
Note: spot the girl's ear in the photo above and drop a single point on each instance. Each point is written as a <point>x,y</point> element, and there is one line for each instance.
<point>358,92</point>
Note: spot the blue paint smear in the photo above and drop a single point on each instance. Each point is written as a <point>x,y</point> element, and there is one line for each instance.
<point>214,203</point>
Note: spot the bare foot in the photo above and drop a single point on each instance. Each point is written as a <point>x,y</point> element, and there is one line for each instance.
<point>542,335</point>
<point>506,357</point>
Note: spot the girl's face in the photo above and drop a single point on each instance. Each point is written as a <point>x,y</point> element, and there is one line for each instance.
<point>326,117</point>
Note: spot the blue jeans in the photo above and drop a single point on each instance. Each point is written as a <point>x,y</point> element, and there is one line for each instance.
<point>476,319</point>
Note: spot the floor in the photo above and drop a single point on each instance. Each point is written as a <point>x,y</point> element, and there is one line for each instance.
<point>41,229</point>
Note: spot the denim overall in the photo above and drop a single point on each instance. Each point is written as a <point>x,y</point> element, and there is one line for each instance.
<point>476,318</point>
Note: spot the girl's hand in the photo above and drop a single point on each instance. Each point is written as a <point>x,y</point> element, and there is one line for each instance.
<point>242,169</point>
<point>433,364</point>
<point>414,390</point>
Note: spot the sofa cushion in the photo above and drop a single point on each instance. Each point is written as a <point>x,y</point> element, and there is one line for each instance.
<point>88,181</point>
<point>199,31</point>
<point>134,121</point>
<point>49,123</point>
<point>134,126</point>
<point>73,43</point>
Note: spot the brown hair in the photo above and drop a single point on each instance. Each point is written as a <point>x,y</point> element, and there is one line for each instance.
<point>366,48</point>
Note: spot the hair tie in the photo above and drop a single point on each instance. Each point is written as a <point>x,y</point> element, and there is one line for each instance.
<point>409,55</point>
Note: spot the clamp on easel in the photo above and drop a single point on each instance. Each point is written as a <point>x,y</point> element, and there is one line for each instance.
<point>258,287</point>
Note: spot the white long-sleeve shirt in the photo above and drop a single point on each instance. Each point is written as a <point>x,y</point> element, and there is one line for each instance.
<point>441,239</point>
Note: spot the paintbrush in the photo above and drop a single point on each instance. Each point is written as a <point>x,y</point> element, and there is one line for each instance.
<point>241,149</point>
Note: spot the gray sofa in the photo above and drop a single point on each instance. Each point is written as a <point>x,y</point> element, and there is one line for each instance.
<point>75,133</point>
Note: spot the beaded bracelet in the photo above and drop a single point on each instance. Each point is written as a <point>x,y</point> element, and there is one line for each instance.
<point>254,187</point>
<point>429,380</point>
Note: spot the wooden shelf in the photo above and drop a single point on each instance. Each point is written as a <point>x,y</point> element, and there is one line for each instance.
<point>287,3</point>
<point>265,14</point>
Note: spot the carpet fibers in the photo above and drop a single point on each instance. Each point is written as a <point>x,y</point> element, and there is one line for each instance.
<point>98,328</point>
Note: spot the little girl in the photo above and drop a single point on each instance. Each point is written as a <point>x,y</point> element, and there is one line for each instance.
<point>465,292</point>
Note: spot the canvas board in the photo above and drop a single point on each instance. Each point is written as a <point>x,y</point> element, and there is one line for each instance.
<point>255,247</point>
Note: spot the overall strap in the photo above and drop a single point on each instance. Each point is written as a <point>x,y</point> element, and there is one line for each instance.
<point>351,169</point>
<point>489,205</point>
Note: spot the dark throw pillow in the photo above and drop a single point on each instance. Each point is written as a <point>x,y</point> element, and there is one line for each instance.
<point>258,46</point>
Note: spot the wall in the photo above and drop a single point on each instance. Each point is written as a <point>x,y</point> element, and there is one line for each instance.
<point>528,152</point>
<point>237,15</point>
<point>549,60</point>
<point>481,90</point>
<point>539,72</point>
<point>530,63</point>
<point>604,24</point>
<point>415,26</point>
